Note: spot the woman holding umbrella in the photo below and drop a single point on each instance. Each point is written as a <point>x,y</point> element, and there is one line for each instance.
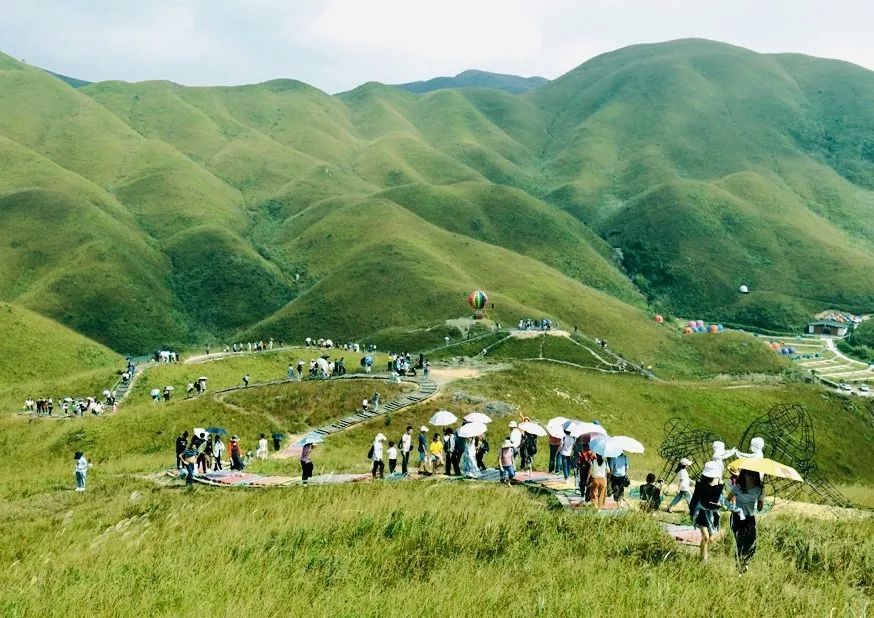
<point>747,495</point>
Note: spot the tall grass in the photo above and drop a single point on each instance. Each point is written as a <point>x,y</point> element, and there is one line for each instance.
<point>392,549</point>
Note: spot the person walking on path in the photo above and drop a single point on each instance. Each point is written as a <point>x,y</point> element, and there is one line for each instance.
<point>81,470</point>
<point>747,496</point>
<point>261,451</point>
<point>300,370</point>
<point>584,471</point>
<point>236,454</point>
<point>426,370</point>
<point>246,381</point>
<point>598,482</point>
<point>506,459</point>
<point>376,456</point>
<point>566,452</point>
<point>181,445</point>
<point>706,500</point>
<point>218,449</point>
<point>554,446</point>
<point>406,447</point>
<point>290,373</point>
<point>618,476</point>
<point>683,485</point>
<point>365,404</point>
<point>424,454</point>
<point>306,463</point>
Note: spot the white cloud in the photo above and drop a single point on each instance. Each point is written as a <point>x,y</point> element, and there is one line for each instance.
<point>452,30</point>
<point>337,44</point>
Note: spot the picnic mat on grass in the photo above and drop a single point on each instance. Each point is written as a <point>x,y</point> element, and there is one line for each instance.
<point>686,534</point>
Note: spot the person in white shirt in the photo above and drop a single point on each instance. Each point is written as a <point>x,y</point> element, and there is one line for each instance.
<point>684,488</point>
<point>261,451</point>
<point>406,448</point>
<point>218,448</point>
<point>365,404</point>
<point>598,481</point>
<point>566,450</point>
<point>392,457</point>
<point>515,437</point>
<point>81,470</point>
<point>376,456</point>
<point>719,455</point>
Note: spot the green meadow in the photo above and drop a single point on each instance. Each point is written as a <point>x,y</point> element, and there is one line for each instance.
<point>377,547</point>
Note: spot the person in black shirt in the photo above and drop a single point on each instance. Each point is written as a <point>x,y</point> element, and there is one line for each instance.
<point>651,494</point>
<point>181,445</point>
<point>704,507</point>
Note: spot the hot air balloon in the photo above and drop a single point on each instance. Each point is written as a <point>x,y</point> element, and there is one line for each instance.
<point>478,301</point>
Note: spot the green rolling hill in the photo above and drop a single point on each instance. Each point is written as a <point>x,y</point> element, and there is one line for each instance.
<point>656,177</point>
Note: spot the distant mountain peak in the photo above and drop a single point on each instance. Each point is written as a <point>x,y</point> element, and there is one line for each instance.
<point>475,78</point>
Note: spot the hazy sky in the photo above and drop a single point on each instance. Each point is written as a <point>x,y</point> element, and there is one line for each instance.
<point>338,44</point>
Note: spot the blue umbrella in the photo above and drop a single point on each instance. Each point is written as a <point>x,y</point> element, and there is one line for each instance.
<point>368,360</point>
<point>220,431</point>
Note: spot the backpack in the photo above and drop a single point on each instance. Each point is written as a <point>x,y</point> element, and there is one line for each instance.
<point>370,452</point>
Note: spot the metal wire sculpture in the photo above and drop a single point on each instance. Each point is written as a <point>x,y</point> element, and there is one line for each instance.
<point>788,436</point>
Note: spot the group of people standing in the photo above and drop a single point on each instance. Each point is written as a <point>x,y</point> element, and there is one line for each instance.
<point>205,451</point>
<point>597,476</point>
<point>68,405</point>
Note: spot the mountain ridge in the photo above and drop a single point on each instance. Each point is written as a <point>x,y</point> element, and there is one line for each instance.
<point>648,149</point>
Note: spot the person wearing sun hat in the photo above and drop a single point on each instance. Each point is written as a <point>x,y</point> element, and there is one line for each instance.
<point>506,458</point>
<point>705,504</point>
<point>683,485</point>
<point>376,456</point>
<point>720,454</point>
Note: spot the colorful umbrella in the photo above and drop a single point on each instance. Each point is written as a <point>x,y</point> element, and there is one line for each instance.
<point>767,466</point>
<point>602,445</point>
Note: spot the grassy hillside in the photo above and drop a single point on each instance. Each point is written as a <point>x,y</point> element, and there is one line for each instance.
<point>723,144</point>
<point>34,348</point>
<point>217,212</point>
